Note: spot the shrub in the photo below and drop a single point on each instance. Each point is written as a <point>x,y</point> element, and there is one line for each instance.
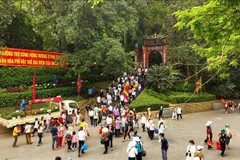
<point>144,100</point>
<point>11,99</point>
<point>180,97</point>
<point>183,87</point>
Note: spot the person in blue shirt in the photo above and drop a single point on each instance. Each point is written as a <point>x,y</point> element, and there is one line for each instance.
<point>90,93</point>
<point>55,79</point>
<point>23,105</point>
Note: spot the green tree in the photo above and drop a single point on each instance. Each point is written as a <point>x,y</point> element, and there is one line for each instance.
<point>161,78</point>
<point>216,24</point>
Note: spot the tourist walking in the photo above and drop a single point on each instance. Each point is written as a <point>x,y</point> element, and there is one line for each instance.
<point>164,146</point>
<point>198,155</point>
<point>160,114</point>
<point>132,150</point>
<point>27,132</point>
<point>35,128</point>
<point>54,132</point>
<point>48,120</point>
<point>209,133</point>
<point>15,135</point>
<point>74,140</point>
<point>40,133</point>
<point>74,118</point>
<point>222,141</point>
<point>60,135</point>
<point>82,136</point>
<point>151,129</point>
<point>111,132</point>
<point>161,127</point>
<point>228,135</point>
<point>139,146</point>
<point>105,137</point>
<point>191,149</point>
<point>179,112</point>
<point>174,113</point>
<point>143,122</point>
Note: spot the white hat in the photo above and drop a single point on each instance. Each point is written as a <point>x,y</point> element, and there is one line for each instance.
<point>105,130</point>
<point>199,147</point>
<point>208,123</point>
<point>132,144</point>
<point>136,139</point>
<point>161,121</point>
<point>151,121</point>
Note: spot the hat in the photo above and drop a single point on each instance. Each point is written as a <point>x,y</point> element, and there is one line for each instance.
<point>105,130</point>
<point>223,131</point>
<point>199,147</point>
<point>132,144</point>
<point>208,123</point>
<point>136,139</point>
<point>151,121</point>
<point>227,125</point>
<point>161,121</point>
<point>70,128</point>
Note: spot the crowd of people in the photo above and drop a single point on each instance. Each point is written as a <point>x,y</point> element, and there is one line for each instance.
<point>113,119</point>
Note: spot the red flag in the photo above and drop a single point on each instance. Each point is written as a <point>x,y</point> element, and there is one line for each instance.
<point>126,92</point>
<point>34,86</point>
<point>79,83</point>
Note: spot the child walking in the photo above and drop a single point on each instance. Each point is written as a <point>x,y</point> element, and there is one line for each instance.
<point>74,141</point>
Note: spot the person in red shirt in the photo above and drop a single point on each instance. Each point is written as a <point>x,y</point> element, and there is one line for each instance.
<point>60,120</point>
<point>52,122</point>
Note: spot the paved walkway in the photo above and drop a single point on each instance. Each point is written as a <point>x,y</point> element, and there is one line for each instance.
<point>178,134</point>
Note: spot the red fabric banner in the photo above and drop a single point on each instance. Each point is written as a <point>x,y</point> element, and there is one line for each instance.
<point>28,58</point>
<point>79,83</point>
<point>34,81</point>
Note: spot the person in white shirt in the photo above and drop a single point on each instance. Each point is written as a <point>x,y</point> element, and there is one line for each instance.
<point>98,101</point>
<point>143,121</point>
<point>122,99</point>
<point>82,136</point>
<point>151,129</point>
<point>179,112</point>
<point>109,120</point>
<point>91,115</point>
<point>132,150</point>
<point>27,132</point>
<point>48,119</point>
<point>35,128</point>
<point>191,149</point>
<point>161,126</point>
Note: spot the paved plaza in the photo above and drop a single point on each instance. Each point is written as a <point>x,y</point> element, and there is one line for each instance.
<point>178,134</point>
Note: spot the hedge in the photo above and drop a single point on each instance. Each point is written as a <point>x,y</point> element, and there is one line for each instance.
<point>11,99</point>
<point>179,97</point>
<point>144,101</point>
<point>182,97</point>
<point>22,76</point>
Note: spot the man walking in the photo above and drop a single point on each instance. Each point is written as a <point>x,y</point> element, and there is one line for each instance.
<point>164,146</point>
<point>82,136</point>
<point>179,112</point>
<point>15,135</point>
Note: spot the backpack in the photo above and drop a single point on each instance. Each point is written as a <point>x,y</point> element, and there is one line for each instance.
<point>139,147</point>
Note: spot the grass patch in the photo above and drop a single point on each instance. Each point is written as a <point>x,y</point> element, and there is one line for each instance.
<point>145,100</point>
<point>182,97</point>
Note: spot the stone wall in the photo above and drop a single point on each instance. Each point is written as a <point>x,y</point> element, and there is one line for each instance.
<point>190,108</point>
<point>4,129</point>
<point>197,107</point>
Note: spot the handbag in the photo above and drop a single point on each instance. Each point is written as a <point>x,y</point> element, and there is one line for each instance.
<point>156,131</point>
<point>218,146</point>
<point>144,153</point>
<point>84,147</point>
<point>102,141</point>
<point>209,143</point>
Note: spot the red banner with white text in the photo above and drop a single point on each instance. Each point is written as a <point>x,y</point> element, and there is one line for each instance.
<point>28,58</point>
